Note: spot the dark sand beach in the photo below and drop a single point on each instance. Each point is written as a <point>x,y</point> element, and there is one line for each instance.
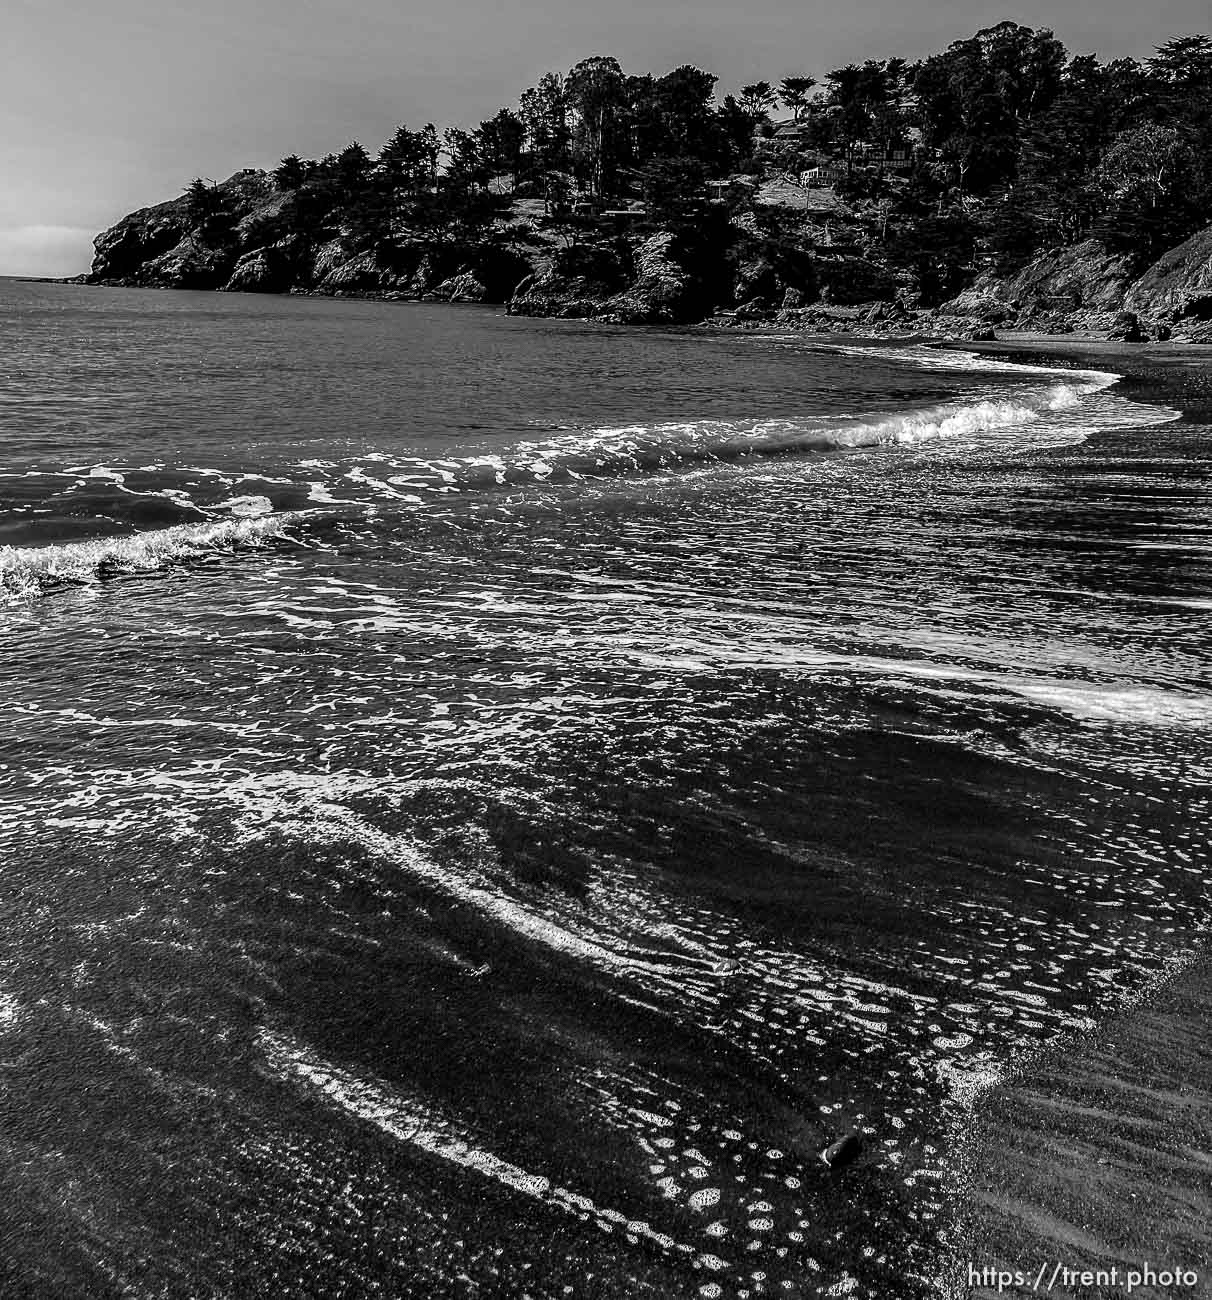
<point>1099,1155</point>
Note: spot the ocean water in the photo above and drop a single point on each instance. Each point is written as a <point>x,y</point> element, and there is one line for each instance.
<point>485,802</point>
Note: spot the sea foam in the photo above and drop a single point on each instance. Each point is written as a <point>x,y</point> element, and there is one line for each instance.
<point>30,571</point>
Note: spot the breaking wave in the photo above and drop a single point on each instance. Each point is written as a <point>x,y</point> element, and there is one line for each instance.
<point>30,571</point>
<point>593,455</point>
<point>634,450</point>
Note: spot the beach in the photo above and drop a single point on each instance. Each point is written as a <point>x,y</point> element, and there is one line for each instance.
<point>493,801</point>
<point>1096,1157</point>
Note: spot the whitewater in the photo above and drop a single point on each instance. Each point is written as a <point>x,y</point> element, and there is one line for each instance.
<point>486,802</point>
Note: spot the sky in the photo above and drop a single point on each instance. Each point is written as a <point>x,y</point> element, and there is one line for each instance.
<point>105,108</point>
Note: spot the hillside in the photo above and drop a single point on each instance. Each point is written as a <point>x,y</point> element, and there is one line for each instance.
<point>999,181</point>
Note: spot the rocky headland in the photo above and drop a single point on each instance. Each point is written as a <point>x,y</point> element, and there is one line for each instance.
<point>749,278</point>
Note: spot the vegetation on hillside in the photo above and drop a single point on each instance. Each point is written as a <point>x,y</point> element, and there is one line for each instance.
<point>999,147</point>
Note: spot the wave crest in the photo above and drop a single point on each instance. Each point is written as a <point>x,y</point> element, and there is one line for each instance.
<point>30,571</point>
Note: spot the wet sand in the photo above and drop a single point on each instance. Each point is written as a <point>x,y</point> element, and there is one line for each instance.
<point>1100,1155</point>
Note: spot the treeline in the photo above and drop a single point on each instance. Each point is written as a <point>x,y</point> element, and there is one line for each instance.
<point>1005,145</point>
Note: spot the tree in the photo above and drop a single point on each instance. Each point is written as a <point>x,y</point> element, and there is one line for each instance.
<point>1184,63</point>
<point>793,91</point>
<point>735,126</point>
<point>544,114</point>
<point>200,200</point>
<point>687,119</point>
<point>208,211</point>
<point>466,168</point>
<point>757,99</point>
<point>353,167</point>
<point>290,173</point>
<point>1059,150</point>
<point>409,159</point>
<point>499,142</point>
<point>1145,201</point>
<point>674,189</point>
<point>594,90</point>
<point>977,98</point>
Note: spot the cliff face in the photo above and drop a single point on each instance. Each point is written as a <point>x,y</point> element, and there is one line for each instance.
<point>1085,289</point>
<point>1178,285</point>
<point>260,249</point>
<point>1083,277</point>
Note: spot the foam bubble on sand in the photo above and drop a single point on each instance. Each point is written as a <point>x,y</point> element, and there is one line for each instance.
<point>418,1123</point>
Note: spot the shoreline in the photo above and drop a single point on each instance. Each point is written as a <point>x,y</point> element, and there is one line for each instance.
<point>1171,374</point>
<point>1093,1153</point>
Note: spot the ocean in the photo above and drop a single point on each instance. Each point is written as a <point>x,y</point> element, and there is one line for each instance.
<point>485,802</point>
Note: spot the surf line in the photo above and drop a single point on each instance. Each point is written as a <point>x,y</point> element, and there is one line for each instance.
<point>412,1121</point>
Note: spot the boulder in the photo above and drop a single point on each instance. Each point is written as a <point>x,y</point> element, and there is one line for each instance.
<point>843,1152</point>
<point>464,287</point>
<point>980,301</point>
<point>755,278</point>
<point>754,309</point>
<point>793,299</point>
<point>1179,284</point>
<point>1126,328</point>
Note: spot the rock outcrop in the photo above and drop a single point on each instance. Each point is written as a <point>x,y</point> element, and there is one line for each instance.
<point>662,292</point>
<point>159,246</point>
<point>1084,276</point>
<point>464,287</point>
<point>573,283</point>
<point>259,239</point>
<point>1178,285</point>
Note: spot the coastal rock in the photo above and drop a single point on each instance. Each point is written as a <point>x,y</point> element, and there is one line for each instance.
<point>121,252</point>
<point>1059,291</point>
<point>464,287</point>
<point>1126,328</point>
<point>1178,284</point>
<point>574,283</point>
<point>156,246</point>
<point>340,275</point>
<point>265,270</point>
<point>190,264</point>
<point>851,281</point>
<point>662,292</point>
<point>1084,275</point>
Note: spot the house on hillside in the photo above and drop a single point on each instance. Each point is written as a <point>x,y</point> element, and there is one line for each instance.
<point>792,132</point>
<point>896,159</point>
<point>827,173</point>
